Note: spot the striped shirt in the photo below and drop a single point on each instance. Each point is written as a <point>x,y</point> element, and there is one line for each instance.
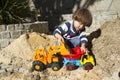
<point>68,31</point>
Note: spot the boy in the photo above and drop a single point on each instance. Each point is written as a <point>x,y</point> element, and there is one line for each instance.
<point>73,32</point>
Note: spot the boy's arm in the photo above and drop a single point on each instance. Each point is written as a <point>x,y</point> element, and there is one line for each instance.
<point>59,32</point>
<point>83,47</point>
<point>59,37</point>
<point>84,40</point>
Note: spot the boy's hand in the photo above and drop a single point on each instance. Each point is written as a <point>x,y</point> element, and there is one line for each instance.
<point>59,37</point>
<point>83,48</point>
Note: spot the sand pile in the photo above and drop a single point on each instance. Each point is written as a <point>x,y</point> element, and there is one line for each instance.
<point>107,51</point>
<point>24,47</point>
<point>105,47</point>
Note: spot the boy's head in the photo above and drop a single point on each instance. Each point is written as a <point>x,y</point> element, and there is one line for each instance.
<point>83,16</point>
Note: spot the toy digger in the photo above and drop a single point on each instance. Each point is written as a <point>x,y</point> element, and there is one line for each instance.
<point>49,58</point>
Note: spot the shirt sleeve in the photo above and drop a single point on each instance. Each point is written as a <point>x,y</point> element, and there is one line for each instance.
<point>61,29</point>
<point>83,37</point>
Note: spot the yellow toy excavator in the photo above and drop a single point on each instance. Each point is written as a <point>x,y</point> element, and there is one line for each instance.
<point>50,57</point>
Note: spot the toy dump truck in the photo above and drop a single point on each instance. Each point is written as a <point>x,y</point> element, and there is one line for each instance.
<point>56,56</point>
<point>49,58</point>
<point>79,58</point>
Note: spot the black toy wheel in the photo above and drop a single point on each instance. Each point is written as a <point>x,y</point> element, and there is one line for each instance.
<point>88,66</point>
<point>70,66</point>
<point>55,66</point>
<point>38,66</point>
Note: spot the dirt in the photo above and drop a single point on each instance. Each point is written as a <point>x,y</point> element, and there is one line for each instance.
<point>107,50</point>
<point>103,43</point>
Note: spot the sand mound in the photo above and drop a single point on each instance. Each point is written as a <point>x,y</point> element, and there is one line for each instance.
<point>107,50</point>
<point>105,47</point>
<point>23,47</point>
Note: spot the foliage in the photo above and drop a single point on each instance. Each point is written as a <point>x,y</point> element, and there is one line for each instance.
<point>13,11</point>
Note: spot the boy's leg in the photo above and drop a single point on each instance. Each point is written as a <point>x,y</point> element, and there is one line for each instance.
<point>75,41</point>
<point>71,42</point>
<point>68,42</point>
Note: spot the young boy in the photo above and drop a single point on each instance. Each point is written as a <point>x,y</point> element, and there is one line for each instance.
<point>73,32</point>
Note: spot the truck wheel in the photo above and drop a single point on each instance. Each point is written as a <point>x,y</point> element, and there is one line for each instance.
<point>38,66</point>
<point>55,66</point>
<point>70,66</point>
<point>88,66</point>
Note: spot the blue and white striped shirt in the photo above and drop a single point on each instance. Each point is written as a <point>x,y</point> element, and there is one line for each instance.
<point>67,30</point>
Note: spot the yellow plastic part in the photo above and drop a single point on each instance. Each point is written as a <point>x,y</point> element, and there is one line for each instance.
<point>47,55</point>
<point>55,68</point>
<point>37,67</point>
<point>62,49</point>
<point>88,59</point>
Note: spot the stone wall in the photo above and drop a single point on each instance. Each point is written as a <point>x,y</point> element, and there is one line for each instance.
<point>10,32</point>
<point>102,11</point>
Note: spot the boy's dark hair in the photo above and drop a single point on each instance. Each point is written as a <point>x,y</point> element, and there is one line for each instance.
<point>84,16</point>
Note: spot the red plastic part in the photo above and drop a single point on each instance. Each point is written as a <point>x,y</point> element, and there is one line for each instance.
<point>70,67</point>
<point>88,67</point>
<point>75,55</point>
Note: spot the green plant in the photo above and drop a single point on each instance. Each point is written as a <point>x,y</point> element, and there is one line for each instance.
<point>14,11</point>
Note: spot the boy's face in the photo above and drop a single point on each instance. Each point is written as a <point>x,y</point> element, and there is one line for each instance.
<point>78,25</point>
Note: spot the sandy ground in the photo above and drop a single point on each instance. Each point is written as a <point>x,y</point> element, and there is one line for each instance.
<point>103,43</point>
